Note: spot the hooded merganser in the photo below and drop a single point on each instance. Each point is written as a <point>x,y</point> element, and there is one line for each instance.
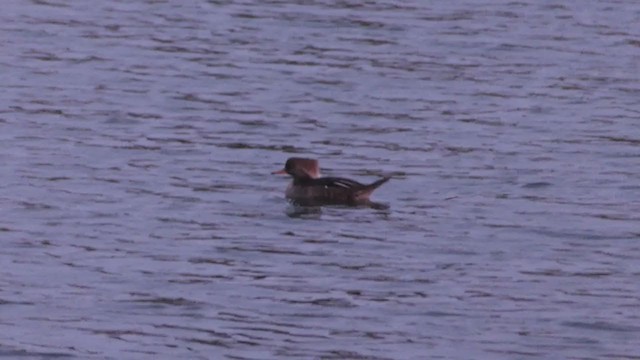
<point>308,187</point>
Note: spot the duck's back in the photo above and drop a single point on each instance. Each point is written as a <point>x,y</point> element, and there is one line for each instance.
<point>331,190</point>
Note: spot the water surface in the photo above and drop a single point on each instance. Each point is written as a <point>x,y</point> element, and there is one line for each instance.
<point>139,218</point>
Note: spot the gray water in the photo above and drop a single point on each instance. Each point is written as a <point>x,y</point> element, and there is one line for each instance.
<point>139,218</point>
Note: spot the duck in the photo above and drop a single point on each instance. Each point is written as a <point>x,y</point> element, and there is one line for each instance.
<point>309,187</point>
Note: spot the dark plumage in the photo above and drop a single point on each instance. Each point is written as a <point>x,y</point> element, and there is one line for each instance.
<point>309,188</point>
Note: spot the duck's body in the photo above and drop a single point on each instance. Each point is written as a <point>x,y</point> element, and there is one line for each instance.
<point>308,187</point>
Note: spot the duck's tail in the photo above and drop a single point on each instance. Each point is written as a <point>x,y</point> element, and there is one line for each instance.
<point>365,192</point>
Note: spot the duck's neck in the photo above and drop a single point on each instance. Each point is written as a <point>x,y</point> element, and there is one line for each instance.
<point>302,180</point>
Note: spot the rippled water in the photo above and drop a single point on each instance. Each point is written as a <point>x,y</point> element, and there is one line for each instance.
<point>139,217</point>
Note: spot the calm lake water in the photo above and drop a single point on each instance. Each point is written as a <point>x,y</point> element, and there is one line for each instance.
<point>139,218</point>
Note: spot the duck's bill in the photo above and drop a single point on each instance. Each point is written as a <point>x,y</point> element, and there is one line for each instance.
<point>279,172</point>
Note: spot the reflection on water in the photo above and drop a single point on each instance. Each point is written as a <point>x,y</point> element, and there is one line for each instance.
<point>311,211</point>
<point>304,212</point>
<point>139,218</point>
